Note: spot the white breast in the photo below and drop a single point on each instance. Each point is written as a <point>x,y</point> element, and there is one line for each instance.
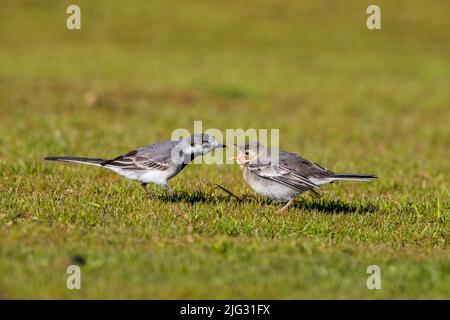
<point>275,191</point>
<point>158,177</point>
<point>268,188</point>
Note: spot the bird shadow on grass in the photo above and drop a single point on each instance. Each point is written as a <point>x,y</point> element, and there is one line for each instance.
<point>199,196</point>
<point>193,197</point>
<point>320,205</point>
<point>334,206</point>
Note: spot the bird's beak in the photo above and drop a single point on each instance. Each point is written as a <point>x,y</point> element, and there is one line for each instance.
<point>222,146</point>
<point>238,157</point>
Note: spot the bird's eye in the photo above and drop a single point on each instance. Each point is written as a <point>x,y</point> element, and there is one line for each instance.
<point>247,153</point>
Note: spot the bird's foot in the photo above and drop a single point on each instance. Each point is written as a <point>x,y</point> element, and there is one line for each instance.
<point>170,193</point>
<point>148,193</point>
<point>285,206</point>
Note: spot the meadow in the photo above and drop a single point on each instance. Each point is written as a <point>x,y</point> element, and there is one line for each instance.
<point>348,98</point>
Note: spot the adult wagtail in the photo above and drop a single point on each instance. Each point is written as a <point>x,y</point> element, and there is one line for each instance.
<point>155,163</point>
<point>288,177</point>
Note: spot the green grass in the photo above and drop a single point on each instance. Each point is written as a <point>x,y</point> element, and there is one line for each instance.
<point>348,98</point>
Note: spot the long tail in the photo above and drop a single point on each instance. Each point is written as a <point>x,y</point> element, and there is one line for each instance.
<point>90,161</point>
<point>354,176</point>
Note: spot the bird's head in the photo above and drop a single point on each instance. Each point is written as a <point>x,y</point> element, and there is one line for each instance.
<point>251,153</point>
<point>200,144</point>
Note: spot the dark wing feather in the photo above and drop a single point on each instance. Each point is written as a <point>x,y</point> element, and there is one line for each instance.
<point>303,167</point>
<point>314,194</point>
<point>283,175</point>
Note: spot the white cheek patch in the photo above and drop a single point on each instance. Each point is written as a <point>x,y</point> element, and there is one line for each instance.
<point>193,149</point>
<point>198,149</point>
<point>188,150</point>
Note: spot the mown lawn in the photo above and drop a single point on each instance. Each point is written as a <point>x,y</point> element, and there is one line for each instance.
<point>346,97</point>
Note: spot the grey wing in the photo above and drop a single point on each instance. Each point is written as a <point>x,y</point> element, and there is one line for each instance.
<point>283,175</point>
<point>304,167</point>
<point>156,156</point>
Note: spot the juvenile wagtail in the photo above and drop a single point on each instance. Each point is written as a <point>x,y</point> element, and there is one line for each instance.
<point>155,163</point>
<point>288,177</point>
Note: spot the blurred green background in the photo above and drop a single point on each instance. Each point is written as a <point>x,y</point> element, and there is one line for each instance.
<point>349,98</point>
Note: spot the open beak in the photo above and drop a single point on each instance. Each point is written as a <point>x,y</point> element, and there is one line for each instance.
<point>239,158</point>
<point>236,156</point>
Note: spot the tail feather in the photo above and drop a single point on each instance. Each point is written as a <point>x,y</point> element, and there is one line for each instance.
<point>90,161</point>
<point>354,176</point>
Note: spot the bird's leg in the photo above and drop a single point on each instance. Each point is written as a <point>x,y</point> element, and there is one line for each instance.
<point>286,205</point>
<point>169,191</point>
<point>231,194</point>
<point>144,186</point>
